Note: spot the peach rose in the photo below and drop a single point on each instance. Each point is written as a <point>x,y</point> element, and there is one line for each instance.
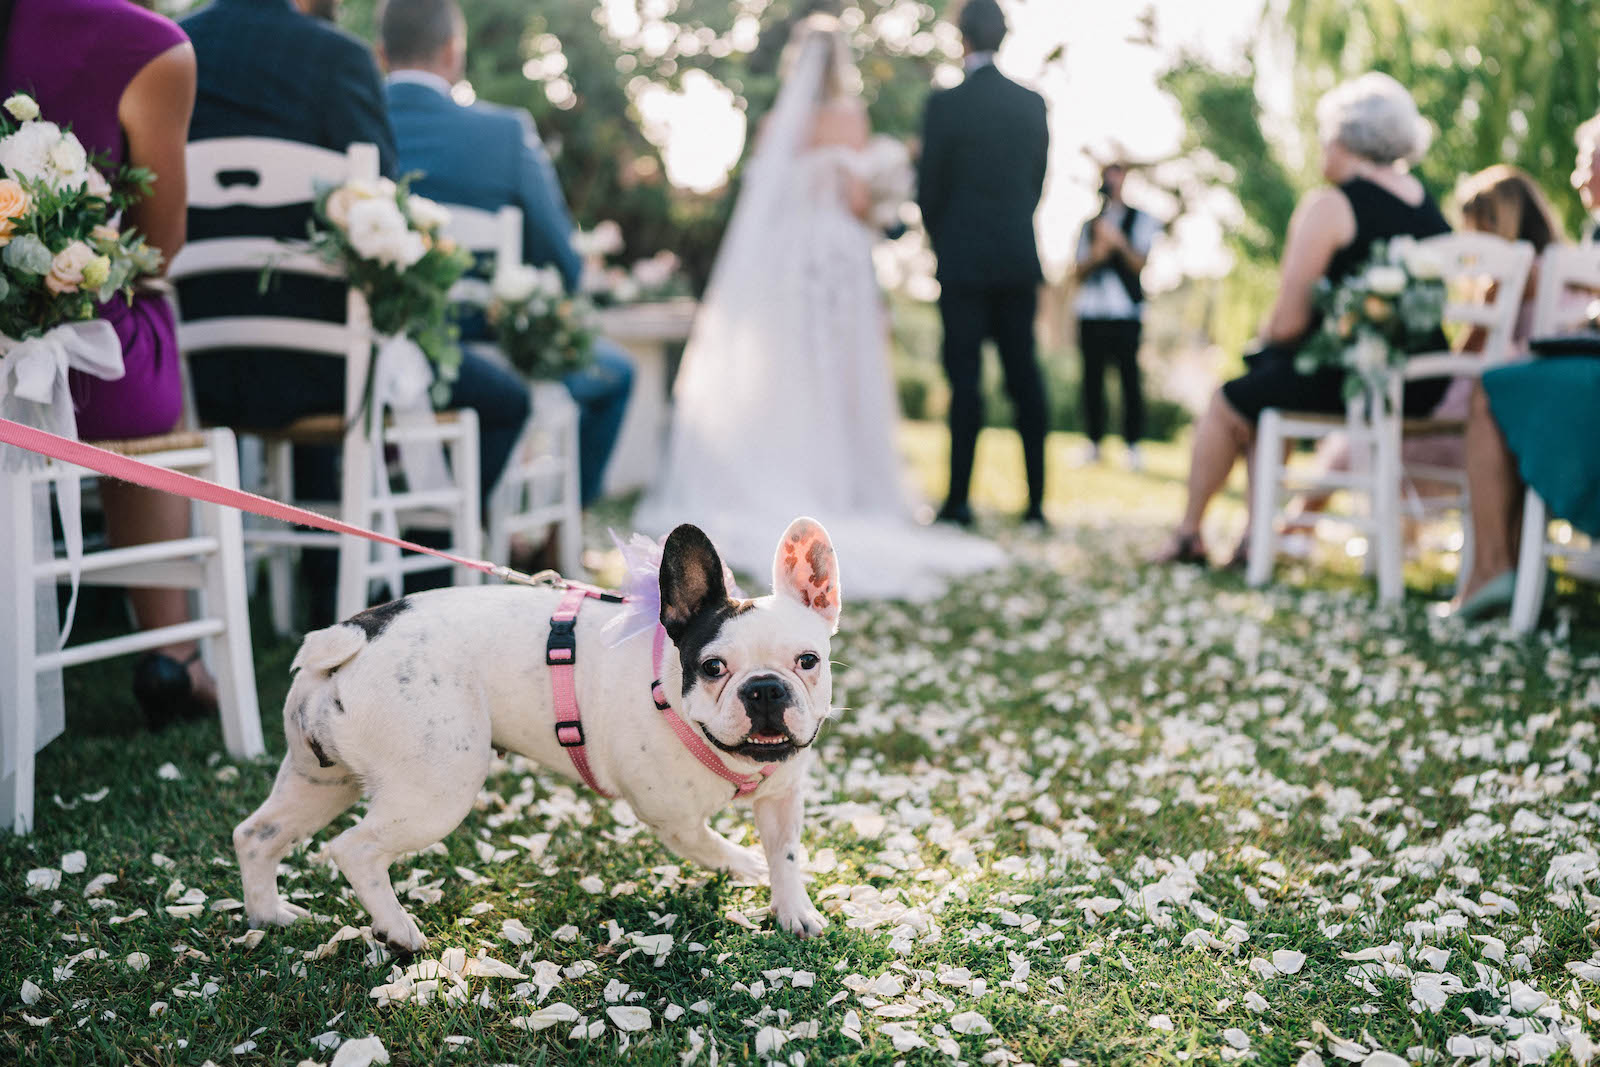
<point>66,270</point>
<point>14,203</point>
<point>104,233</point>
<point>1377,308</point>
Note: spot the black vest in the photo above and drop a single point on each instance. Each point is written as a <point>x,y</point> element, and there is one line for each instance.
<point>1116,264</point>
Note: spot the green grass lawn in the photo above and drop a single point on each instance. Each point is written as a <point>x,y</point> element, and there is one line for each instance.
<point>1083,811</point>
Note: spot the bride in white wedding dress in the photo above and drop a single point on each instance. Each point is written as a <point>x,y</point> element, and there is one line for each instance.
<point>785,404</point>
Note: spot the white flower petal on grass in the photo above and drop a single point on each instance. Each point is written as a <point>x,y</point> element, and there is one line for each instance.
<point>74,862</point>
<point>565,934</point>
<point>43,879</point>
<point>1255,1002</point>
<point>1160,1022</point>
<point>489,967</point>
<point>1236,1037</point>
<point>168,772</point>
<point>629,1018</point>
<point>1493,948</point>
<point>1434,958</point>
<point>30,993</point>
<point>592,884</point>
<point>516,933</point>
<point>1309,1058</point>
<point>1381,1058</point>
<point>244,1048</point>
<point>1288,961</point>
<point>1526,999</point>
<point>329,1040</point>
<point>362,1052</point>
<point>138,961</point>
<point>803,980</point>
<point>98,884</point>
<point>769,1039</point>
<point>546,1017</point>
<point>970,1022</point>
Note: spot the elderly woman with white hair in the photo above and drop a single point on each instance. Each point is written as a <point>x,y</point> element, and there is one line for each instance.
<point>1371,134</point>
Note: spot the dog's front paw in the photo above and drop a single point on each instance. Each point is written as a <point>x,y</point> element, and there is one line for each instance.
<point>277,913</point>
<point>802,919</point>
<point>402,936</point>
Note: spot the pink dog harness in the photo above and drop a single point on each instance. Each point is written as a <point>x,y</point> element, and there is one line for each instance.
<point>561,655</point>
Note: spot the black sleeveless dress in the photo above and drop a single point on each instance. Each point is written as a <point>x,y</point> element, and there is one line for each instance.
<point>1270,379</point>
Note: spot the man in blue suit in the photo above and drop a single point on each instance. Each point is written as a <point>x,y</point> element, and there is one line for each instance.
<point>485,156</point>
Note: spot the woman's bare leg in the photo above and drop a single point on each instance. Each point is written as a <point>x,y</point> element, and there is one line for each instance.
<point>1497,494</point>
<point>137,516</point>
<point>1221,437</point>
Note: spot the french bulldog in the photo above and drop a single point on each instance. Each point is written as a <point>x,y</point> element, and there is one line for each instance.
<point>406,703</point>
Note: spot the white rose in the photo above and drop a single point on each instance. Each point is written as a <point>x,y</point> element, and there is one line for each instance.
<point>95,184</point>
<point>514,283</point>
<point>25,154</point>
<point>1385,281</point>
<point>379,232</point>
<point>69,159</point>
<point>551,284</point>
<point>1424,265</point>
<point>1369,355</point>
<point>607,238</point>
<point>656,271</point>
<point>22,107</point>
<point>427,214</point>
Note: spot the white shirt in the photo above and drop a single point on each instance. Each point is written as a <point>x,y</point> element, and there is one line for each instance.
<point>977,61</point>
<point>1101,295</point>
<point>420,77</point>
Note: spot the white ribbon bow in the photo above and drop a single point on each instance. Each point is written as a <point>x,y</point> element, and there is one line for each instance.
<point>42,398</point>
<point>402,378</point>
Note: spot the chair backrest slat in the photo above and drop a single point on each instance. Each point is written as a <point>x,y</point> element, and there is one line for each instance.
<point>214,255</point>
<point>1500,269</point>
<point>265,172</point>
<point>483,233</point>
<point>1563,269</point>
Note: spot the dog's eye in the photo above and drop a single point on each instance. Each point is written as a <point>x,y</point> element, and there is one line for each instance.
<point>807,661</point>
<point>713,668</point>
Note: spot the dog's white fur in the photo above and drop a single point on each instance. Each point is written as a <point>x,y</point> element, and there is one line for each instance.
<point>411,716</point>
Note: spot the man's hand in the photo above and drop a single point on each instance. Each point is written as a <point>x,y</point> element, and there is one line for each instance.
<point>1107,239</point>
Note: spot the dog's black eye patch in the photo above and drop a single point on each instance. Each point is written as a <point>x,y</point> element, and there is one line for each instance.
<point>375,620</point>
<point>700,631</point>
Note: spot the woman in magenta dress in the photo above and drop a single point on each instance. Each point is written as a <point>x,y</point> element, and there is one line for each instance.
<point>124,79</point>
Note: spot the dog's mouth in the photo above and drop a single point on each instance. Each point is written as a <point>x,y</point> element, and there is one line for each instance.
<point>762,747</point>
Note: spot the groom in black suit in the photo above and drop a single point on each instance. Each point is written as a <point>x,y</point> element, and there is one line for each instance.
<point>984,146</point>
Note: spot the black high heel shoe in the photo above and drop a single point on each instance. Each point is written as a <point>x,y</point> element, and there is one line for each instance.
<point>165,690</point>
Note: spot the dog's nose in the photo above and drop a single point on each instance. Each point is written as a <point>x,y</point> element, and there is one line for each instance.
<point>764,692</point>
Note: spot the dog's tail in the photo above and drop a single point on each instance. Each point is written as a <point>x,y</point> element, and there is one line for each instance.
<point>325,651</point>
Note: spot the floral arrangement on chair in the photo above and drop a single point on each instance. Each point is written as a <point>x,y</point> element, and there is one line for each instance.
<point>544,332</point>
<point>64,251</point>
<point>1376,318</point>
<point>650,280</point>
<point>389,242</point>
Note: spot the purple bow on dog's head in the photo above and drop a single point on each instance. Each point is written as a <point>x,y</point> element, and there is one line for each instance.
<point>641,584</point>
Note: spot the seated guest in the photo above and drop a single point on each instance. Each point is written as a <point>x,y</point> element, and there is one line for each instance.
<point>134,109</point>
<point>1532,424</point>
<point>1371,132</point>
<point>484,156</point>
<point>1506,202</point>
<point>267,70</point>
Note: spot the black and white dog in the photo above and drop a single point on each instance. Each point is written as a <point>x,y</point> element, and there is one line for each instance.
<point>406,703</point>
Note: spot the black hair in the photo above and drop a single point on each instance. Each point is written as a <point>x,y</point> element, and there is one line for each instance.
<point>982,25</point>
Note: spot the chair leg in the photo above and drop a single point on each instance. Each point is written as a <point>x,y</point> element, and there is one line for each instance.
<point>19,681</point>
<point>1531,570</point>
<point>467,528</point>
<point>1388,534</point>
<point>280,559</point>
<point>1469,544</point>
<point>570,530</point>
<point>355,506</point>
<point>225,594</point>
<point>1264,497</point>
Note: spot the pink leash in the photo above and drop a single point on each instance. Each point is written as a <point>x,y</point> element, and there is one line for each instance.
<point>561,652</point>
<point>126,469</point>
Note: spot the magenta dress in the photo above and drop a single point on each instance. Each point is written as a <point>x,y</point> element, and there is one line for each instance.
<point>75,57</point>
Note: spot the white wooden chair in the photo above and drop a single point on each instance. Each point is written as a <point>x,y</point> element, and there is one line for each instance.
<point>288,173</point>
<point>210,562</point>
<point>1562,271</point>
<point>1497,271</point>
<point>539,490</point>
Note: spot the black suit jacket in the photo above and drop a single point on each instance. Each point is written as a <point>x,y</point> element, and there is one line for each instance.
<point>266,70</point>
<point>985,144</point>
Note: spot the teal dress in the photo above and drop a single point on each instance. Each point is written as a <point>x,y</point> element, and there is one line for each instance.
<point>1549,411</point>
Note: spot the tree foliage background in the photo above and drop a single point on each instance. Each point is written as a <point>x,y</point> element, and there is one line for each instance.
<point>609,169</point>
<point>1502,81</point>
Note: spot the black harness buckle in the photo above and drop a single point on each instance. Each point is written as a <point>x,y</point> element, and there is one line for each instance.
<point>563,639</point>
<point>569,734</point>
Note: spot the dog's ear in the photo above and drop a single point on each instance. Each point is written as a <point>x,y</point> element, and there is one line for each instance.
<point>805,569</point>
<point>691,578</point>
